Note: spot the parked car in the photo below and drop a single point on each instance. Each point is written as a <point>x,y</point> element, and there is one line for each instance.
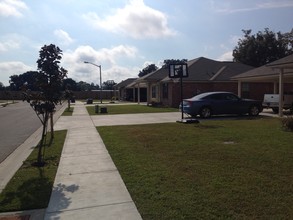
<point>220,103</point>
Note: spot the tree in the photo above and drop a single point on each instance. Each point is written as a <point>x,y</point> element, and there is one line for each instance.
<point>172,61</point>
<point>109,84</point>
<point>49,81</point>
<point>26,80</point>
<point>2,87</point>
<point>69,84</point>
<point>68,95</point>
<point>263,47</point>
<point>149,69</point>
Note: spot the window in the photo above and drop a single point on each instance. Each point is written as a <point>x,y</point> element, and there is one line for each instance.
<point>231,97</point>
<point>165,90</point>
<point>154,91</point>
<point>245,90</point>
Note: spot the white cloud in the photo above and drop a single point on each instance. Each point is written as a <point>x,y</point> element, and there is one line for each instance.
<point>135,19</point>
<point>12,8</point>
<point>73,61</point>
<point>226,56</point>
<point>8,45</point>
<point>8,69</point>
<point>226,7</point>
<point>63,37</point>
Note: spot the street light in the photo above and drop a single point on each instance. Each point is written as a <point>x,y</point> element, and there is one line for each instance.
<point>101,89</point>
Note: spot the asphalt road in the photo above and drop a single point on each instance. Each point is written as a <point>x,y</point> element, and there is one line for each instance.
<point>17,122</point>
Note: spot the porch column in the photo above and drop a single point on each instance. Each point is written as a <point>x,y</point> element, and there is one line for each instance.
<point>138,94</point>
<point>281,92</point>
<point>239,88</point>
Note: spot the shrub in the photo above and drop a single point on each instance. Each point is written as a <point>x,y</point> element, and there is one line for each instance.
<point>287,123</point>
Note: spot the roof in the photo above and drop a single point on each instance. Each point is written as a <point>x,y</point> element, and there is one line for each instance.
<point>125,83</point>
<point>200,70</point>
<point>211,70</point>
<point>284,62</point>
<point>206,70</point>
<point>154,76</point>
<point>268,72</point>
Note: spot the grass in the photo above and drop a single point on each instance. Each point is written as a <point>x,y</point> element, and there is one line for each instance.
<point>31,186</point>
<point>68,112</point>
<point>130,109</point>
<point>238,169</point>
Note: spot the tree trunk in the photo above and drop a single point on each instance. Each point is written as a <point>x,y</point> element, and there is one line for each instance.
<point>41,144</point>
<point>52,126</point>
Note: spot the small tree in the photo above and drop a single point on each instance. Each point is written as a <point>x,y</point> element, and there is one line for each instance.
<point>49,81</point>
<point>68,95</point>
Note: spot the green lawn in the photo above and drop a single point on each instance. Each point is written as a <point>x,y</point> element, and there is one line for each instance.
<point>130,109</point>
<point>31,186</point>
<point>68,112</point>
<point>228,169</point>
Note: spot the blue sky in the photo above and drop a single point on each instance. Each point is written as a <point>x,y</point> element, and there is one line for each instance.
<point>123,36</point>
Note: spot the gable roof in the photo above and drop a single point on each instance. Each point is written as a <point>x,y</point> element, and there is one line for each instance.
<point>201,70</point>
<point>284,62</point>
<point>204,69</point>
<point>154,76</point>
<point>125,83</point>
<point>268,72</point>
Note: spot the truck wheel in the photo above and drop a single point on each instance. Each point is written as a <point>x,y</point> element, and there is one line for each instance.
<point>205,112</point>
<point>275,110</point>
<point>253,111</point>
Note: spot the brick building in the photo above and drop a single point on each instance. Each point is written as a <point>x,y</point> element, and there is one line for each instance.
<point>205,75</point>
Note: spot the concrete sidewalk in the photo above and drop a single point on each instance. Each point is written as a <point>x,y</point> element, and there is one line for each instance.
<point>87,183</point>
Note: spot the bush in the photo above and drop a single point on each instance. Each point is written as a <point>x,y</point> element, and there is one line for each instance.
<point>287,123</point>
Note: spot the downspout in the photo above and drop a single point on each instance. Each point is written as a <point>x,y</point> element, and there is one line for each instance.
<point>281,92</point>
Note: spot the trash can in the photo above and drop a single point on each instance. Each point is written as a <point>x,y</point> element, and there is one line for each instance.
<point>104,110</point>
<point>96,108</point>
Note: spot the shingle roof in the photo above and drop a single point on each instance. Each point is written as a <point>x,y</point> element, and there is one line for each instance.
<point>257,72</point>
<point>266,70</point>
<point>288,60</point>
<point>125,83</point>
<point>203,70</point>
<point>155,76</point>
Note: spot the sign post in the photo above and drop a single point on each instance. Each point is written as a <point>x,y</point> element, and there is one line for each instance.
<point>179,70</point>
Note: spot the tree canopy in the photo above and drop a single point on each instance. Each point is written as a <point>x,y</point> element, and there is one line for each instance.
<point>173,61</point>
<point>263,47</point>
<point>109,84</point>
<point>26,80</point>
<point>148,69</point>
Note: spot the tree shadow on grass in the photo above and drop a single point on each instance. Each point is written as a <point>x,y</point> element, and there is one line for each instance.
<point>35,193</point>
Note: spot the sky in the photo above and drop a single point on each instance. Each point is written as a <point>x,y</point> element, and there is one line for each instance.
<point>124,36</point>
